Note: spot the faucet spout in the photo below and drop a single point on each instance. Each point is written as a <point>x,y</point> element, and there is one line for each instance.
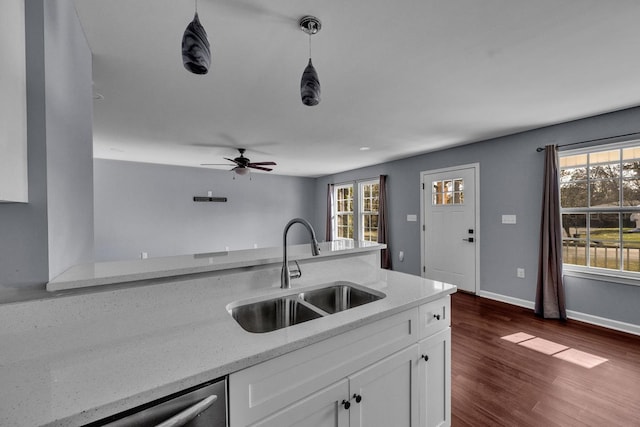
<point>285,276</point>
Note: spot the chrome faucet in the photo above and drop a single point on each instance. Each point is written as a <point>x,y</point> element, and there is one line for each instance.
<point>287,275</point>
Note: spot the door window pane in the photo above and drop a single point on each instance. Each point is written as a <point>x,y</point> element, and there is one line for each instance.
<point>448,192</point>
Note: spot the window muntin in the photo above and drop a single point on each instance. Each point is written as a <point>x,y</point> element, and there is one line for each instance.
<point>343,217</point>
<point>369,202</point>
<point>447,192</point>
<point>600,203</point>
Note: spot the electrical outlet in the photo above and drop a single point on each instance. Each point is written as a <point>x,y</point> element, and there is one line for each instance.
<point>520,273</point>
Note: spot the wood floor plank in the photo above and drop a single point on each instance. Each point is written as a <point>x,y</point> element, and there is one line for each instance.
<point>496,382</point>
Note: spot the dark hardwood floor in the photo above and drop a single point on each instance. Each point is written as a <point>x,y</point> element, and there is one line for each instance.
<point>499,383</point>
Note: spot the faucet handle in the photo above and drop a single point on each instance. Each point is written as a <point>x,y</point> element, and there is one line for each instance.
<point>294,274</point>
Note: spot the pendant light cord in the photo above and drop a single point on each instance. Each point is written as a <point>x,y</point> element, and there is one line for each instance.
<point>310,44</point>
<point>196,6</point>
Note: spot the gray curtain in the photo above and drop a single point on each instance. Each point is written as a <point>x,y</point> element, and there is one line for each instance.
<point>550,301</point>
<point>383,233</point>
<point>329,223</point>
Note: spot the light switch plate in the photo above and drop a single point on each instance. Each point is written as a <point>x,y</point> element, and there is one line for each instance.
<point>508,219</point>
<point>412,217</point>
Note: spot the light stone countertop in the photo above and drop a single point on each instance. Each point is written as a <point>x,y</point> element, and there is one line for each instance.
<point>74,359</point>
<point>105,273</point>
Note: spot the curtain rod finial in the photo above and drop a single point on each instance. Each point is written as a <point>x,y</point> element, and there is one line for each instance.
<point>539,149</point>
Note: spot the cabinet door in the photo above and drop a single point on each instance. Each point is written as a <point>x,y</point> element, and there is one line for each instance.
<point>321,409</point>
<point>434,371</point>
<point>387,392</point>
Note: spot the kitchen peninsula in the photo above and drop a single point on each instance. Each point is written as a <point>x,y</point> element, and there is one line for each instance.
<point>114,336</point>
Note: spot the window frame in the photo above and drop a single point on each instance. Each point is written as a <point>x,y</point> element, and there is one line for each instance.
<point>335,213</point>
<point>358,203</point>
<point>618,275</point>
<point>361,205</point>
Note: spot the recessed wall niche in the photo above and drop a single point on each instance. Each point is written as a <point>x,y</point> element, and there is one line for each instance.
<point>13,103</point>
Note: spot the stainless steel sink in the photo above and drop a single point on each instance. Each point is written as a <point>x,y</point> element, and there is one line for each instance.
<point>288,310</point>
<point>340,297</point>
<point>269,315</point>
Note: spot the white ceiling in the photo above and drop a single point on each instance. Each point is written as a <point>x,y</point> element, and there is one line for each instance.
<point>402,77</point>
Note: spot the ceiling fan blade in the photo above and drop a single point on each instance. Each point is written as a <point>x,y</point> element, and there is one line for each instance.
<point>252,165</point>
<point>263,163</point>
<point>233,160</point>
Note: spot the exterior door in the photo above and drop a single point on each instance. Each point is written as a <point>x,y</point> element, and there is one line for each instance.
<point>450,226</point>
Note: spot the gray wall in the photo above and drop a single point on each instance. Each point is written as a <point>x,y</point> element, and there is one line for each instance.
<point>141,207</point>
<point>510,183</point>
<point>35,238</point>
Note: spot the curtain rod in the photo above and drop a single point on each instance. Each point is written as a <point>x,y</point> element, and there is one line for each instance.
<point>351,181</point>
<point>539,149</point>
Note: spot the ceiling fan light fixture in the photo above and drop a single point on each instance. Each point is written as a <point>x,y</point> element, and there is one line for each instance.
<point>196,52</point>
<point>310,83</point>
<point>241,170</point>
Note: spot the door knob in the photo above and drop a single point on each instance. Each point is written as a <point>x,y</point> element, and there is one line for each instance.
<point>437,316</point>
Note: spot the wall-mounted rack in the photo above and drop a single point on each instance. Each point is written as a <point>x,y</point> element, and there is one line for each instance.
<point>209,199</point>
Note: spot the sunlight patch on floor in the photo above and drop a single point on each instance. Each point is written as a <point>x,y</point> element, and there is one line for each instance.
<point>559,351</point>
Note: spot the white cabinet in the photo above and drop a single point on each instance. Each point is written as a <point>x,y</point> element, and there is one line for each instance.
<point>325,408</point>
<point>434,372</point>
<point>386,393</point>
<point>382,395</point>
<point>13,103</point>
<point>371,376</point>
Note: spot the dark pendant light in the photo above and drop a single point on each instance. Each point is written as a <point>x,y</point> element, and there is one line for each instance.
<point>196,55</point>
<point>310,83</point>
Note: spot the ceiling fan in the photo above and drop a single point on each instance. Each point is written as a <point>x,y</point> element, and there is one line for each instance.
<point>242,164</point>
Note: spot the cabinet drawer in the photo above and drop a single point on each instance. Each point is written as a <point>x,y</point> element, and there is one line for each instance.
<point>263,389</point>
<point>434,317</point>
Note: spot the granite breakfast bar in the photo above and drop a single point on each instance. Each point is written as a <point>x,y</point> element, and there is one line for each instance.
<point>110,338</point>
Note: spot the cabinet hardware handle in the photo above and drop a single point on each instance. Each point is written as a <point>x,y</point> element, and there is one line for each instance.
<point>425,357</point>
<point>357,397</point>
<point>346,404</point>
<point>437,316</point>
<point>190,413</point>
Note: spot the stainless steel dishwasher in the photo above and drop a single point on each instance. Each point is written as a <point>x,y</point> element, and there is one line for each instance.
<point>199,406</point>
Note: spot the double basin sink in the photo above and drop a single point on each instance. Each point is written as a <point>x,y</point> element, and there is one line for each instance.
<point>291,309</point>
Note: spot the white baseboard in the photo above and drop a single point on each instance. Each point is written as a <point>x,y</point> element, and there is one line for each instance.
<point>575,315</point>
<point>509,300</point>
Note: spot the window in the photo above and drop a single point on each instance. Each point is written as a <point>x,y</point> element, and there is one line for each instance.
<point>600,208</point>
<point>343,212</point>
<point>355,211</point>
<point>449,192</point>
<point>369,197</point>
